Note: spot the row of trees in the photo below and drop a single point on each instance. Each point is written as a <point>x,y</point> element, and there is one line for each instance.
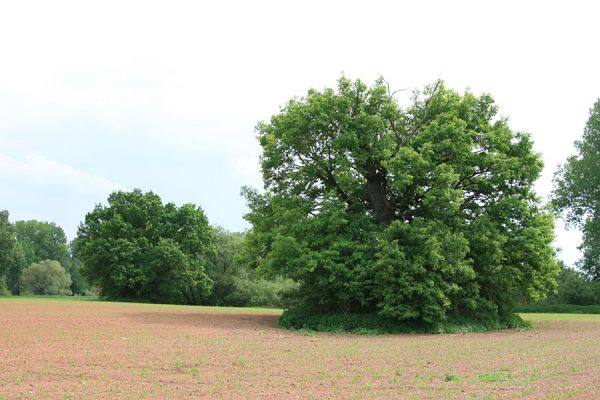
<point>135,248</point>
<point>26,243</point>
<point>575,287</point>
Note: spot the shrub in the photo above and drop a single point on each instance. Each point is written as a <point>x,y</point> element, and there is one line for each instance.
<point>259,292</point>
<point>370,324</point>
<point>47,277</point>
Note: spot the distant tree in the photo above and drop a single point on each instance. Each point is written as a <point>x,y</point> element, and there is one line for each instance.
<point>577,192</point>
<point>47,277</point>
<point>575,287</point>
<point>418,214</point>
<point>7,249</point>
<point>139,248</point>
<point>40,240</point>
<point>18,263</point>
<point>235,284</point>
<point>79,284</point>
<point>222,266</point>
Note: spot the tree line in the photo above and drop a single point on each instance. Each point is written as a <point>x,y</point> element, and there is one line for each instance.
<point>420,214</point>
<point>27,248</point>
<point>136,248</point>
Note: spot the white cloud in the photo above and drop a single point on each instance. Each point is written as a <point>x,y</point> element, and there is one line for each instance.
<point>39,171</point>
<point>48,190</point>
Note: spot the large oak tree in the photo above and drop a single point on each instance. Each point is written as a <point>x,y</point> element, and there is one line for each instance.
<point>417,213</point>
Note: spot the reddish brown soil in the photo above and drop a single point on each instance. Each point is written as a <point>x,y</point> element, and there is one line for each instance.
<point>53,349</point>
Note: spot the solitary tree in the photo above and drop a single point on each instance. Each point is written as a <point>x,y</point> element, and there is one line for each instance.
<point>47,277</point>
<point>577,192</point>
<point>418,214</point>
<point>139,248</point>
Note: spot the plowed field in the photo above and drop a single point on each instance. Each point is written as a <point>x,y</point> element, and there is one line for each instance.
<point>67,349</point>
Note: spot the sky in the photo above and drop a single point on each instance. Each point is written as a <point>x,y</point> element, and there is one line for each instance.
<point>164,95</point>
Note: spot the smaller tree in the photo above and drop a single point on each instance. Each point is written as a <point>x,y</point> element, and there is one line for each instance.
<point>222,267</point>
<point>47,277</point>
<point>577,192</point>
<point>136,247</point>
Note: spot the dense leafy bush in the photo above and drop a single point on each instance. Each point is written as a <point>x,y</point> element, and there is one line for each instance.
<point>376,324</point>
<point>47,277</point>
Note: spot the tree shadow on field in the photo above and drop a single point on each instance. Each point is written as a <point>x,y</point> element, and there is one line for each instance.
<point>225,321</point>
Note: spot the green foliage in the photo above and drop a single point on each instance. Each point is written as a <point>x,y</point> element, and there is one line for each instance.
<point>42,241</point>
<point>374,324</point>
<point>47,277</point>
<point>7,249</point>
<point>259,292</point>
<point>577,192</point>
<point>139,248</point>
<point>423,214</point>
<point>575,288</point>
<point>222,267</point>
<point>234,284</point>
<point>37,241</point>
<point>18,263</point>
<point>422,271</point>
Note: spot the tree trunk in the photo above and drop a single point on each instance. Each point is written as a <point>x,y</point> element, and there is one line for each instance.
<point>377,195</point>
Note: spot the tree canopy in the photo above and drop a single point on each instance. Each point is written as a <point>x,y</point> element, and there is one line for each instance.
<point>38,241</point>
<point>139,248</point>
<point>42,241</point>
<point>577,192</point>
<point>47,277</point>
<point>417,213</point>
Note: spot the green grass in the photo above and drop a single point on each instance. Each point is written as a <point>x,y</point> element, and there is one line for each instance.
<point>559,317</point>
<point>498,376</point>
<point>448,377</point>
<point>559,308</point>
<point>95,299</point>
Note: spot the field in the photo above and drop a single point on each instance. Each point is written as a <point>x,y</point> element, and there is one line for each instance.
<point>68,349</point>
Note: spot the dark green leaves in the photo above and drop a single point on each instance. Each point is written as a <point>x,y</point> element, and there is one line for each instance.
<point>418,214</point>
<point>138,248</point>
